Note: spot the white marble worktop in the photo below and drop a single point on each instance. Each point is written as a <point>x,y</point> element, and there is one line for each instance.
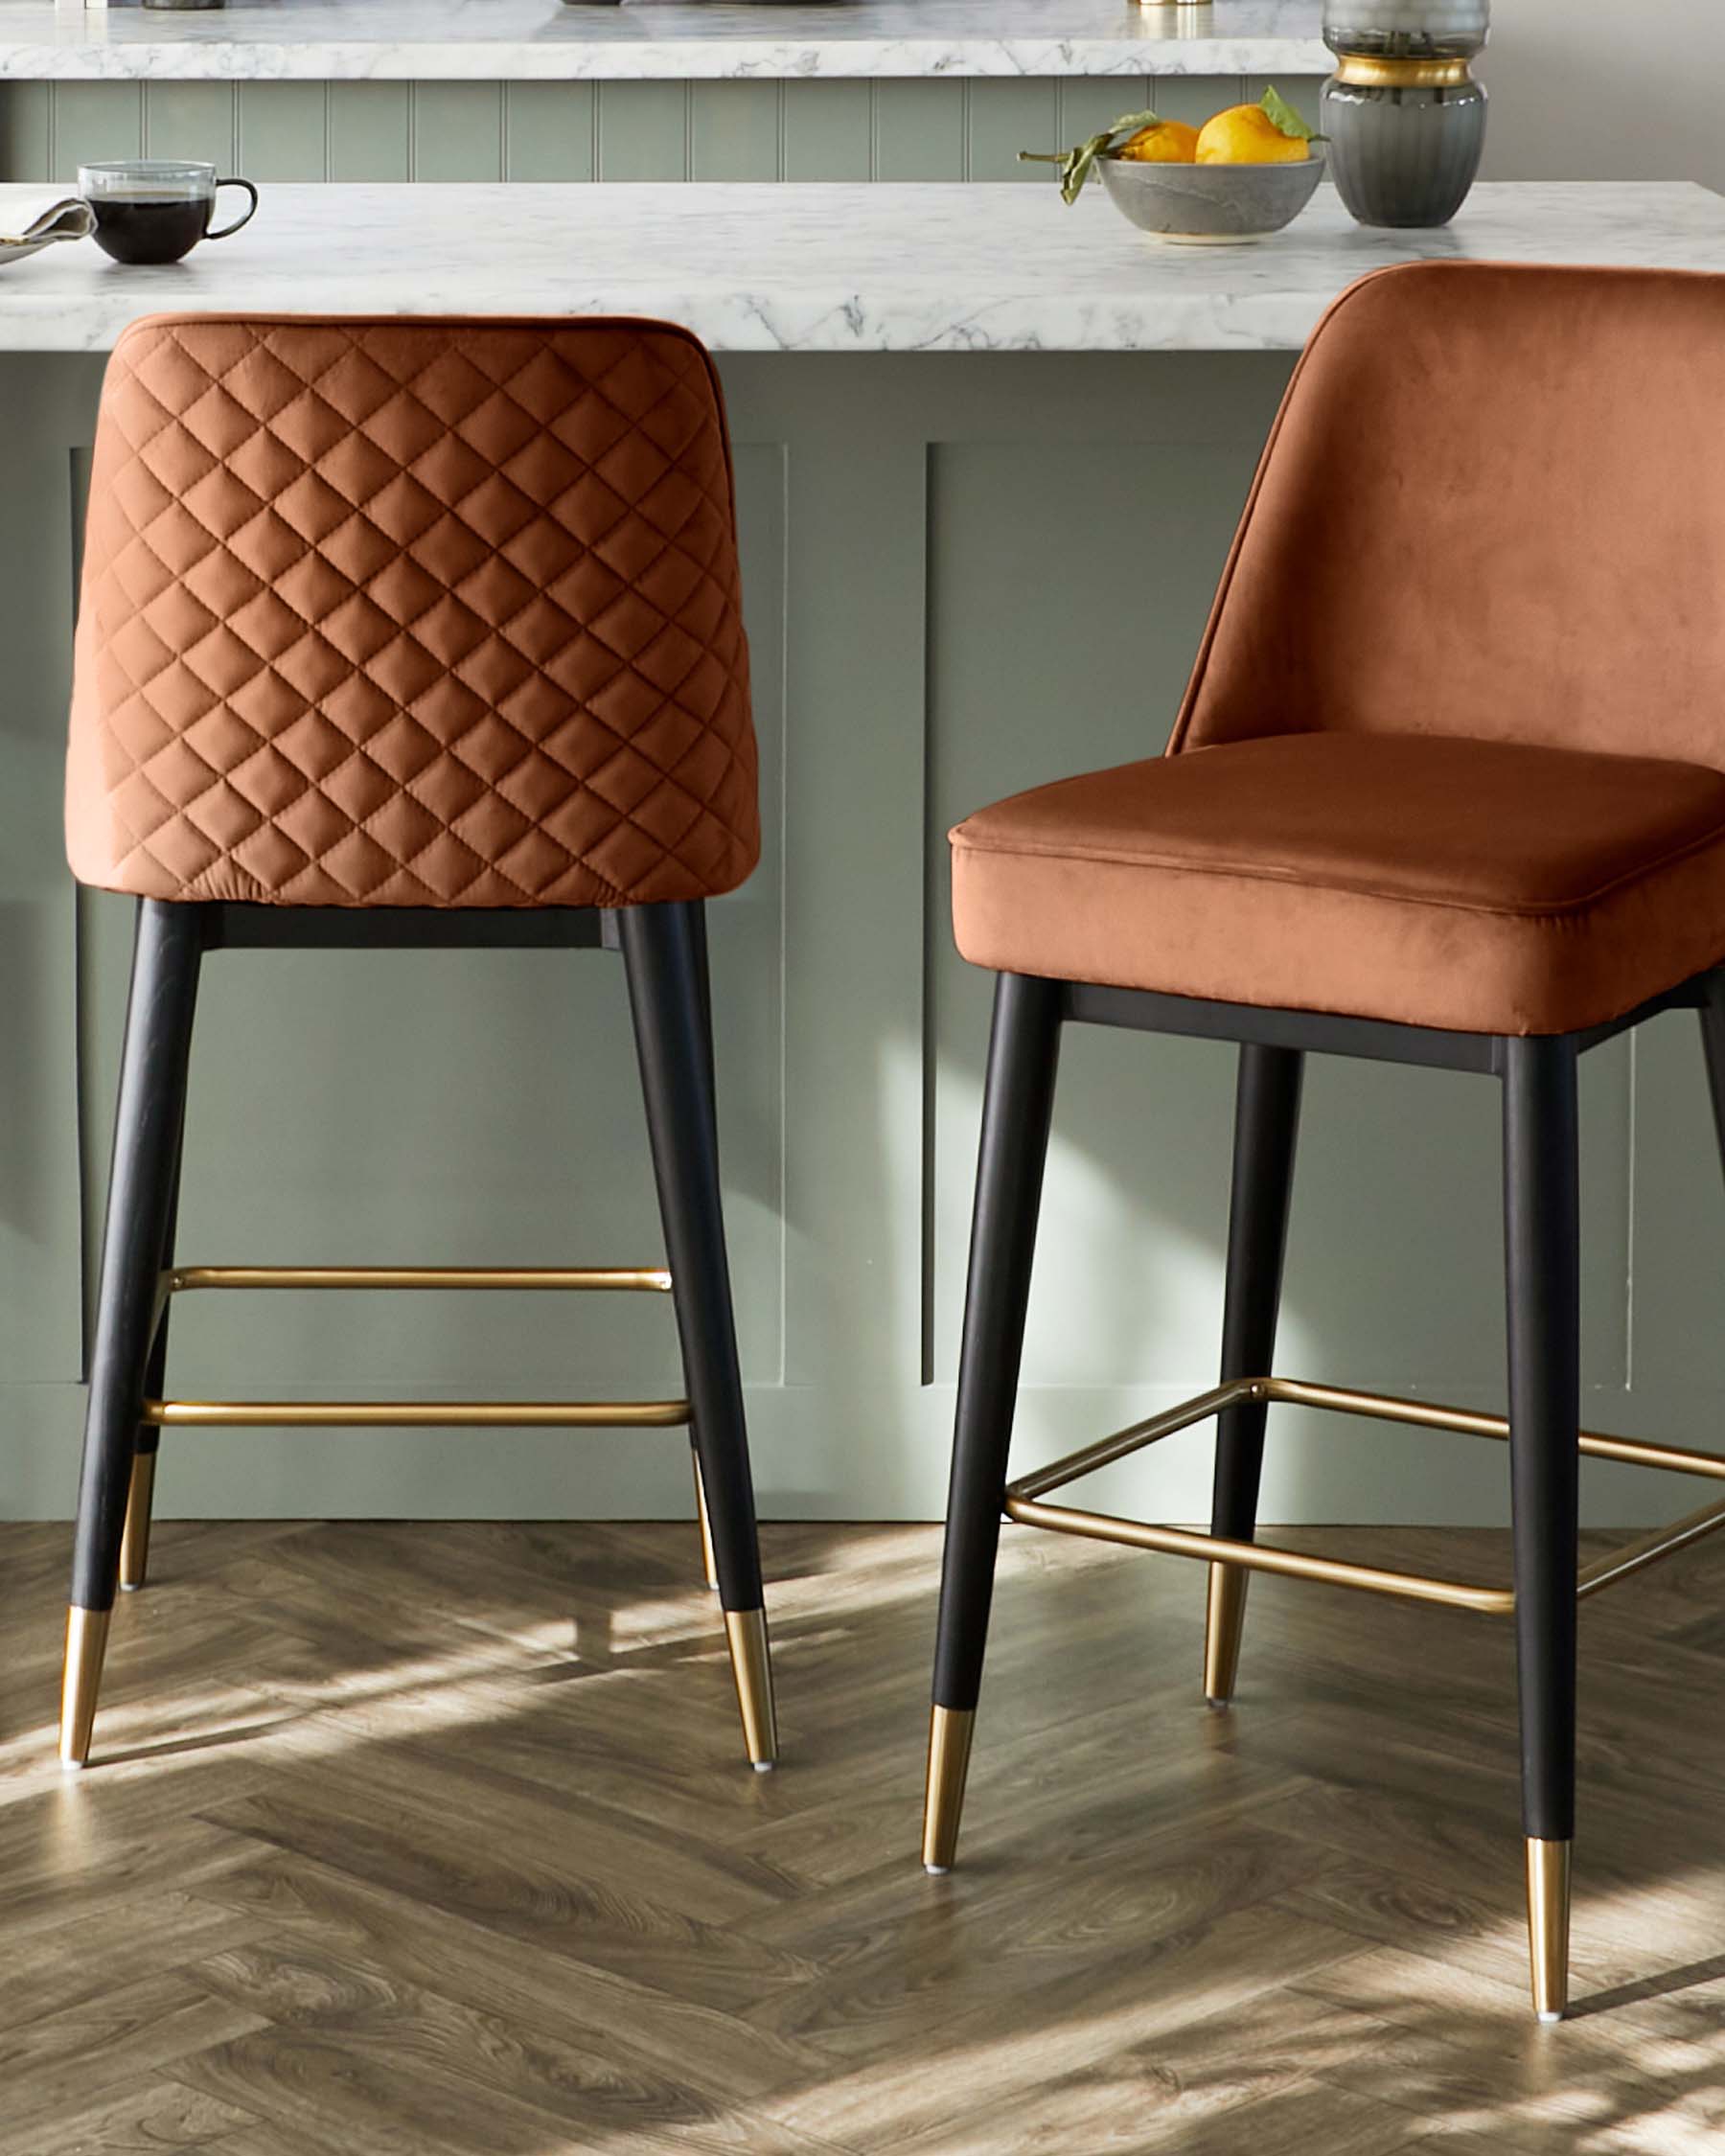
<point>545,40</point>
<point>821,268</point>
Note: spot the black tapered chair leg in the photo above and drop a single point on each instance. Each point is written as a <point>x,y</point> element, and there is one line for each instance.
<point>153,1089</point>
<point>1541,1218</point>
<point>659,946</point>
<point>140,1503</point>
<point>1712,1047</point>
<point>1266,1127</point>
<point>1023,1052</point>
<point>703,990</point>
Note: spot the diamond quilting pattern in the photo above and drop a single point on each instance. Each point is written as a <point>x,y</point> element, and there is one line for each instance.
<point>411,613</point>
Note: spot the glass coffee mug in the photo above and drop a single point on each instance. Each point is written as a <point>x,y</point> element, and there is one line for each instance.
<point>156,209</point>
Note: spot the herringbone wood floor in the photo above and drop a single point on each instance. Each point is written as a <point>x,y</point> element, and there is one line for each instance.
<point>435,1841</point>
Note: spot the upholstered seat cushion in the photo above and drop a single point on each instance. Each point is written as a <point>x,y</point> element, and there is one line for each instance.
<point>1483,885</point>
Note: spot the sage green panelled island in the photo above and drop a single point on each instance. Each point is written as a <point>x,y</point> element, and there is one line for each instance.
<point>653,90</point>
<point>989,453</point>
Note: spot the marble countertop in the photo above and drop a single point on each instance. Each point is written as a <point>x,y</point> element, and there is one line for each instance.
<point>821,268</point>
<point>545,40</point>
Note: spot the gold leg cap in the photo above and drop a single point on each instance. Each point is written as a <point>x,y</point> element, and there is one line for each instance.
<point>752,1665</point>
<point>709,1563</point>
<point>1224,1617</point>
<point>1548,1926</point>
<point>134,1543</point>
<point>87,1640</point>
<point>950,1731</point>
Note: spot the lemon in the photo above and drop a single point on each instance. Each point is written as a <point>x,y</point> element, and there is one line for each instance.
<point>1245,135</point>
<point>1164,142</point>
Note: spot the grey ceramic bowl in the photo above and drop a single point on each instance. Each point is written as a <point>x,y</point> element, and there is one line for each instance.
<point>1211,205</point>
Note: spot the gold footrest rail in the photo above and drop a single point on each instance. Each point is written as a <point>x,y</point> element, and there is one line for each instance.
<point>626,1278</point>
<point>1022,1500</point>
<point>409,1415</point>
<point>403,1414</point>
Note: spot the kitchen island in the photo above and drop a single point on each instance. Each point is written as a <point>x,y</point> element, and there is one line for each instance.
<point>545,41</point>
<point>652,90</point>
<point>989,455</point>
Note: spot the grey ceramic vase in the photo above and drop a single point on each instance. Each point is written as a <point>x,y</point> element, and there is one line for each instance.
<point>1405,119</point>
<point>1403,155</point>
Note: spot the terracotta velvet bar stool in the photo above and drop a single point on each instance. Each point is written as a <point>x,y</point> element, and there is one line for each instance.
<point>411,635</point>
<point>1448,787</point>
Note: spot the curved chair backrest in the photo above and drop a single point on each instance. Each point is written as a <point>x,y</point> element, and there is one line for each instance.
<point>412,613</point>
<point>1493,504</point>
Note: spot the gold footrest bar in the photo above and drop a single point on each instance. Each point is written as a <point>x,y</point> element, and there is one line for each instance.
<point>403,1414</point>
<point>408,1414</point>
<point>1022,1500</point>
<point>641,1279</point>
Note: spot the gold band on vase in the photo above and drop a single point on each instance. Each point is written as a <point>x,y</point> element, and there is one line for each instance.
<point>1367,71</point>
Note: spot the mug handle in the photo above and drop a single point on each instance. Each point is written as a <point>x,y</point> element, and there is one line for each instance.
<point>251,208</point>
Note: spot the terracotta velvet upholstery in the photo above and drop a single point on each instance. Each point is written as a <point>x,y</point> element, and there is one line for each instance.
<point>1452,753</point>
<point>428,612</point>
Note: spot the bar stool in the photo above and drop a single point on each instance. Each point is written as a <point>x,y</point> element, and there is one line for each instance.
<point>411,634</point>
<point>1446,789</point>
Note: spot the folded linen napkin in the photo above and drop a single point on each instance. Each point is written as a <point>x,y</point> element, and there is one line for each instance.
<point>69,219</point>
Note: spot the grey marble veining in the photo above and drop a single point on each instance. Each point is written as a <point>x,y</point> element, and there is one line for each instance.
<point>545,40</point>
<point>823,269</point>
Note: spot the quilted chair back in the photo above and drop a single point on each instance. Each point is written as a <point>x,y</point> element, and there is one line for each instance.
<point>430,612</point>
<point>1493,504</point>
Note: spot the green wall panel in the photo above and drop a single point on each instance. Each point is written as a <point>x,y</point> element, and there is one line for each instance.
<point>284,130</point>
<point>829,131</point>
<point>919,130</point>
<point>549,130</point>
<point>643,131</point>
<point>26,130</point>
<point>794,130</point>
<point>1087,106</point>
<point>734,132</point>
<point>191,120</point>
<point>95,120</point>
<point>371,131</point>
<point>458,130</point>
<point>1010,116</point>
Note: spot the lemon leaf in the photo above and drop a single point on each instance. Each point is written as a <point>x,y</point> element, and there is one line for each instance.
<point>1282,114</point>
<point>1075,164</point>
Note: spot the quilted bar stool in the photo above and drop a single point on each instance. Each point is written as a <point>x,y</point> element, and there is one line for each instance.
<point>1448,787</point>
<point>410,634</point>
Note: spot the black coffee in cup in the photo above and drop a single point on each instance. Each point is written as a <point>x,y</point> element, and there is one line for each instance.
<point>155,210</point>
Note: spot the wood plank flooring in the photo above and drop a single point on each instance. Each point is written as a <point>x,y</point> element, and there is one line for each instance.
<point>437,1841</point>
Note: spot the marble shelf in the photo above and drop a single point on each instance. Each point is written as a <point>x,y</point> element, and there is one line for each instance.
<point>545,40</point>
<point>888,268</point>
